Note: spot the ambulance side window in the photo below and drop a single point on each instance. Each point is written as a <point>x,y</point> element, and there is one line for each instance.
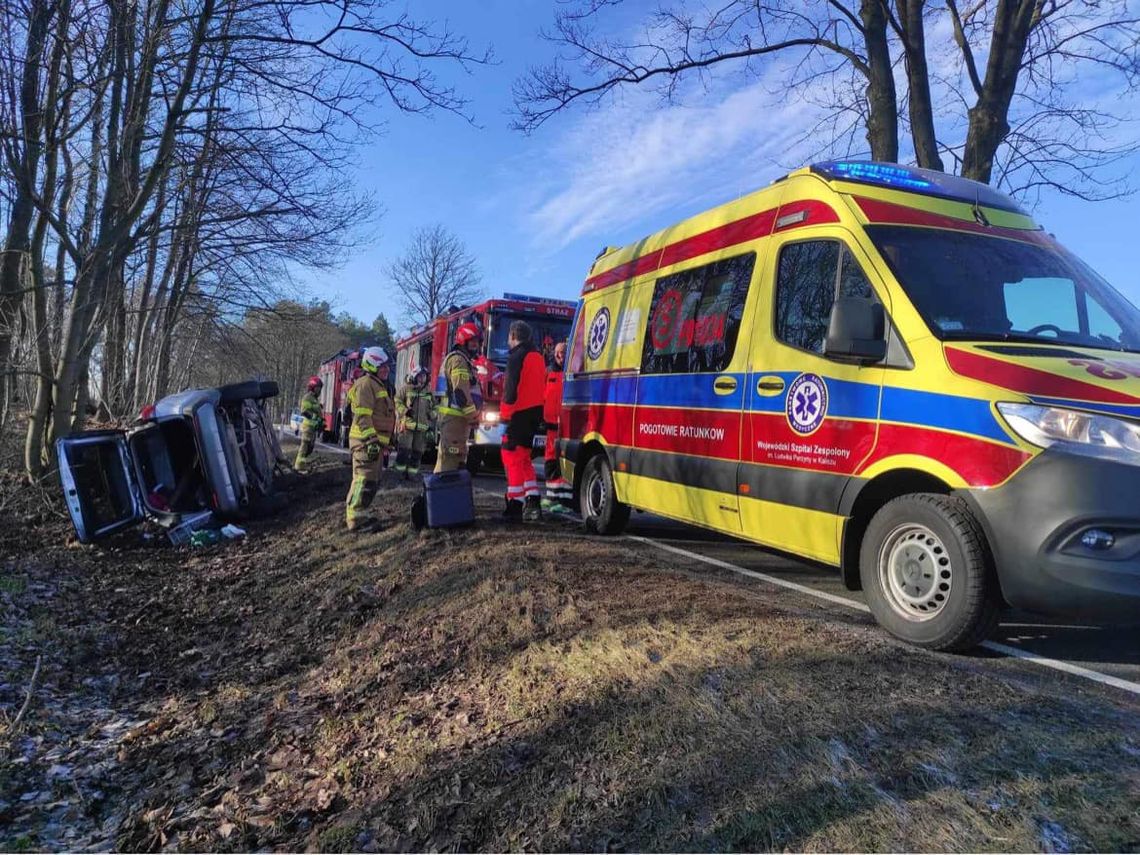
<point>694,319</point>
<point>809,276</point>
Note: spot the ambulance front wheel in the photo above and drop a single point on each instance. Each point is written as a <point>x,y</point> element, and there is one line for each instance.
<point>925,567</point>
<point>601,511</point>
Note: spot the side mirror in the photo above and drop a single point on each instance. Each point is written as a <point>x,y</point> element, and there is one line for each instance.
<point>856,331</point>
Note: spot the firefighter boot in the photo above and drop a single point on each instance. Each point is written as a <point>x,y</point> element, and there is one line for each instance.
<point>533,510</point>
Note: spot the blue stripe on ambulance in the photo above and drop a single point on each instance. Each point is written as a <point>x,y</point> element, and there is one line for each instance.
<point>846,400</point>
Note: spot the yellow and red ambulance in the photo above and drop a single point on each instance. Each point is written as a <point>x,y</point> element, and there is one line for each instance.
<point>886,369</point>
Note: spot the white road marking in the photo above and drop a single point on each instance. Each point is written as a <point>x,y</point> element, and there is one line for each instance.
<point>997,647</point>
<point>763,577</point>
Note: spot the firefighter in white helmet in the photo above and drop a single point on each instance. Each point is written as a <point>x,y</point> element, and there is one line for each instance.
<point>373,418</point>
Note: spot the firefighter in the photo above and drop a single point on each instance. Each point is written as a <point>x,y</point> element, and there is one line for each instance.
<point>522,410</point>
<point>373,418</point>
<point>415,410</point>
<point>311,419</point>
<point>559,494</point>
<point>462,397</point>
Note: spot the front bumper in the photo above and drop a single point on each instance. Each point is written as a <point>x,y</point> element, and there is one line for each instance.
<point>1035,521</point>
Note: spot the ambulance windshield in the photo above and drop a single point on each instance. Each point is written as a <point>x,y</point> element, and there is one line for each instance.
<point>971,286</point>
<point>547,333</point>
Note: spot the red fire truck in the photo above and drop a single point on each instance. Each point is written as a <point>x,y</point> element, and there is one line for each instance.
<point>336,374</point>
<point>426,345</point>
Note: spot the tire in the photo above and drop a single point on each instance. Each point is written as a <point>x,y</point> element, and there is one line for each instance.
<point>602,513</point>
<point>269,389</point>
<point>952,606</point>
<point>475,456</point>
<point>235,392</point>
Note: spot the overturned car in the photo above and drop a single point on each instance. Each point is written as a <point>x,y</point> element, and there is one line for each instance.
<point>191,456</point>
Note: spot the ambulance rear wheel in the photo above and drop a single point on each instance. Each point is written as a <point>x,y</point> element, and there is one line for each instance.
<point>601,511</point>
<point>925,567</point>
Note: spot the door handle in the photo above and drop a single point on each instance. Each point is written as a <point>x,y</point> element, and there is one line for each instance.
<point>724,385</point>
<point>770,385</point>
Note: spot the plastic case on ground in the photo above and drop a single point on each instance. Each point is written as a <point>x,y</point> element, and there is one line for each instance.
<point>450,499</point>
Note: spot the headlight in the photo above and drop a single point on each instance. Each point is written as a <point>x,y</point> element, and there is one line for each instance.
<point>1089,433</point>
<point>491,417</point>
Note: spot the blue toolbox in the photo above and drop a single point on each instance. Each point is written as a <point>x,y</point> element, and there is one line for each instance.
<point>449,499</point>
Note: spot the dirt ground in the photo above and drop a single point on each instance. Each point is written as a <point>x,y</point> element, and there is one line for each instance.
<point>500,689</point>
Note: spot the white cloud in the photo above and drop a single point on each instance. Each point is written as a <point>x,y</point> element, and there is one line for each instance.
<point>634,158</point>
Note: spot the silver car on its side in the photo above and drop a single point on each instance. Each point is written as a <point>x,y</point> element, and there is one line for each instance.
<point>196,453</point>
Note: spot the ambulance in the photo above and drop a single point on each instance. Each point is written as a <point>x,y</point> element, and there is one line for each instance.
<point>889,370</point>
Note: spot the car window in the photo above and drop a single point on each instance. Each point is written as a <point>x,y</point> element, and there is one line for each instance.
<point>694,317</point>
<point>808,277</point>
<point>1038,302</point>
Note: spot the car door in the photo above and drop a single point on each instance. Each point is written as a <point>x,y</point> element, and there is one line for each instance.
<point>691,392</point>
<point>100,484</point>
<point>812,420</point>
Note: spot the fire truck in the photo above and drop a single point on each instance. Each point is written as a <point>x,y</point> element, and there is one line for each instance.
<point>427,344</point>
<point>336,374</point>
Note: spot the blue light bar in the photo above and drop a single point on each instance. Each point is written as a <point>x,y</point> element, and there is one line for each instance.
<point>916,180</point>
<point>886,174</point>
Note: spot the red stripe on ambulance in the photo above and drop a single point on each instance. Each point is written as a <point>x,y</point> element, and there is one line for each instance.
<point>979,463</point>
<point>705,433</point>
<point>746,229</point>
<point>1030,381</point>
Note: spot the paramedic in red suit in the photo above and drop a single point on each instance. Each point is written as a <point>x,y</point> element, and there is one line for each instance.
<point>559,494</point>
<point>523,393</point>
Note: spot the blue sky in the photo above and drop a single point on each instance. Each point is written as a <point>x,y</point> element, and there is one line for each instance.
<point>535,210</point>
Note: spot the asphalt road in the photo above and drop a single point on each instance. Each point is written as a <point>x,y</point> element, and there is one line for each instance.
<point>1106,650</point>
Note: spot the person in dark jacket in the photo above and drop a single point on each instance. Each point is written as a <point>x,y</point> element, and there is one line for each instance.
<point>523,394</point>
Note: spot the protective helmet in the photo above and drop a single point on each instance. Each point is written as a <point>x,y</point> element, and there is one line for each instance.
<point>560,350</point>
<point>373,358</point>
<point>316,383</point>
<point>420,376</point>
<point>466,333</point>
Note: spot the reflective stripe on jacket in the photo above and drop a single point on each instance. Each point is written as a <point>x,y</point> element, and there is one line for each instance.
<point>373,414</point>
<point>415,408</point>
<point>458,376</point>
<point>311,411</point>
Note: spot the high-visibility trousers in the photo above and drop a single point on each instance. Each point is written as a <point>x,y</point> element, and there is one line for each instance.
<point>365,483</point>
<point>308,443</point>
<point>453,431</point>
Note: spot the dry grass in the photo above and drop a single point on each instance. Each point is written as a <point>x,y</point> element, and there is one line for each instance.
<point>534,689</point>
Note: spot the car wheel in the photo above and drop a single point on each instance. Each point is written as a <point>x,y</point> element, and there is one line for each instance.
<point>235,392</point>
<point>601,511</point>
<point>926,568</point>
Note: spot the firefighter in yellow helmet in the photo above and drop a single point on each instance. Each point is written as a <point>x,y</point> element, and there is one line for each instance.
<point>462,397</point>
<point>373,419</point>
<point>415,411</point>
<point>311,419</point>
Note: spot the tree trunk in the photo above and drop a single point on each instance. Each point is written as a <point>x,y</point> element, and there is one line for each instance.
<point>17,242</point>
<point>919,104</point>
<point>882,101</point>
<point>989,117</point>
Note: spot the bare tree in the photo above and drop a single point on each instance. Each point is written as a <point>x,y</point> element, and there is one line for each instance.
<point>1014,122</point>
<point>435,271</point>
<point>164,164</point>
